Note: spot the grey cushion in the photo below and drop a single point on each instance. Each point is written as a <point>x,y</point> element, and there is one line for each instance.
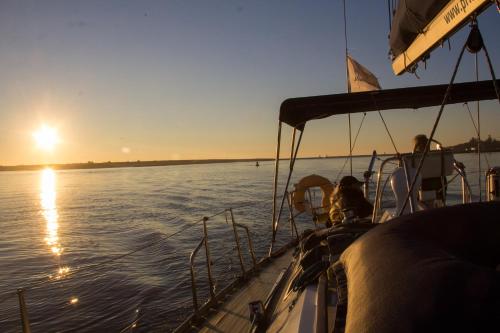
<point>432,271</point>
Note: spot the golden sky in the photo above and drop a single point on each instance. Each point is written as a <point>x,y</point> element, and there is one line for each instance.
<point>175,80</point>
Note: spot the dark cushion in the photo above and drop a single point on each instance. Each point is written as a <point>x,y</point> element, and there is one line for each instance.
<point>432,271</point>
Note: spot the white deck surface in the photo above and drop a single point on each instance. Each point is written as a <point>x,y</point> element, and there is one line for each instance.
<point>233,315</point>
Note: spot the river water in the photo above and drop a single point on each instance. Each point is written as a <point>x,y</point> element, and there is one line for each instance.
<point>62,233</point>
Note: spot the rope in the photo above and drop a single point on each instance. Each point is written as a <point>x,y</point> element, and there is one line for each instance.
<point>348,84</point>
<point>350,142</point>
<point>385,125</point>
<point>388,132</point>
<point>453,178</point>
<point>121,256</point>
<point>478,128</point>
<point>492,72</point>
<point>350,154</point>
<point>389,16</point>
<point>477,132</point>
<point>9,296</point>
<point>434,128</point>
<point>471,118</point>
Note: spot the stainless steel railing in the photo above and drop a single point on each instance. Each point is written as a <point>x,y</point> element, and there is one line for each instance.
<point>204,242</point>
<point>458,166</point>
<point>237,239</point>
<point>24,311</point>
<point>193,279</point>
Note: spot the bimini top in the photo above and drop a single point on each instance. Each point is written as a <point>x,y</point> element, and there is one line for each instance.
<point>297,111</point>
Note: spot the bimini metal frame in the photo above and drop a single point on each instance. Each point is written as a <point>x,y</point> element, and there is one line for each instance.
<point>296,112</point>
<point>293,156</point>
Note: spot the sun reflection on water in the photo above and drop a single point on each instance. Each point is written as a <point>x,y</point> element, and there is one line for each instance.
<point>49,213</point>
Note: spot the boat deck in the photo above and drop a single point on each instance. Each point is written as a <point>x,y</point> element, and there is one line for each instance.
<point>233,315</point>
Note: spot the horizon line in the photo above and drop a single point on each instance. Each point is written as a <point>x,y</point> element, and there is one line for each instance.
<point>146,163</point>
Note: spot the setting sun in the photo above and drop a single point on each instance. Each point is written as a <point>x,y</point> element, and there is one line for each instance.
<point>46,138</point>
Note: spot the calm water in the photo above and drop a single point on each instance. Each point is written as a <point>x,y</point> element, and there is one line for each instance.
<point>59,229</point>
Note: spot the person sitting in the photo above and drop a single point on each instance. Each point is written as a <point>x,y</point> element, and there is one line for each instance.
<point>419,143</point>
<point>347,200</point>
<point>437,185</point>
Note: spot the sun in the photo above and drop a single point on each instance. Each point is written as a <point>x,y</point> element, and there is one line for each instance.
<point>46,138</point>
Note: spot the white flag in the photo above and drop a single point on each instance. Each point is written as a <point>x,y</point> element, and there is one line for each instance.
<point>360,78</point>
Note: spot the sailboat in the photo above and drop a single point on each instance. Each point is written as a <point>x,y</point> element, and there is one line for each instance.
<point>417,263</point>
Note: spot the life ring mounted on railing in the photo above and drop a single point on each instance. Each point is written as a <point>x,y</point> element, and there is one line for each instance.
<point>298,195</point>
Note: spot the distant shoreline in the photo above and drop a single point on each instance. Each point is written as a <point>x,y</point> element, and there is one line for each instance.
<point>141,164</point>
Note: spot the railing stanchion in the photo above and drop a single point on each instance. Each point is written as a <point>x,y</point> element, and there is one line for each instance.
<point>24,311</point>
<point>293,226</point>
<point>209,260</point>
<point>237,240</point>
<point>466,192</point>
<point>193,279</point>
<point>252,253</point>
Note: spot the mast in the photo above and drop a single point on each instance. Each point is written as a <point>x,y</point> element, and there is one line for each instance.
<point>348,85</point>
<point>478,132</point>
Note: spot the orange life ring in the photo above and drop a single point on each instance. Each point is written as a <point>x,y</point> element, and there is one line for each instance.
<point>298,195</point>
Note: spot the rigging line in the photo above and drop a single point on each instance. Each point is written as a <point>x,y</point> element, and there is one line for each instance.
<point>354,144</point>
<point>105,262</point>
<point>187,273</point>
<point>477,131</point>
<point>385,125</point>
<point>275,187</point>
<point>389,12</point>
<point>471,117</point>
<point>492,72</point>
<point>121,256</point>
<point>347,82</point>
<point>292,163</point>
<point>101,265</point>
<point>453,178</point>
<point>350,144</point>
<point>434,128</point>
<point>388,132</point>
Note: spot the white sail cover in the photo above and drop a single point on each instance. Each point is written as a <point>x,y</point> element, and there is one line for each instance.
<point>360,78</point>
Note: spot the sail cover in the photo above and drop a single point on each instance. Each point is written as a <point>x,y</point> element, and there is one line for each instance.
<point>297,111</point>
<point>411,17</point>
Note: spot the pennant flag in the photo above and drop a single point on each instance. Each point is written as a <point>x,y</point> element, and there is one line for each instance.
<point>360,78</point>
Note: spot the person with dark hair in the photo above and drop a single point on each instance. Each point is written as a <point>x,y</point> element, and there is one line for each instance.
<point>347,200</point>
<point>419,143</point>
